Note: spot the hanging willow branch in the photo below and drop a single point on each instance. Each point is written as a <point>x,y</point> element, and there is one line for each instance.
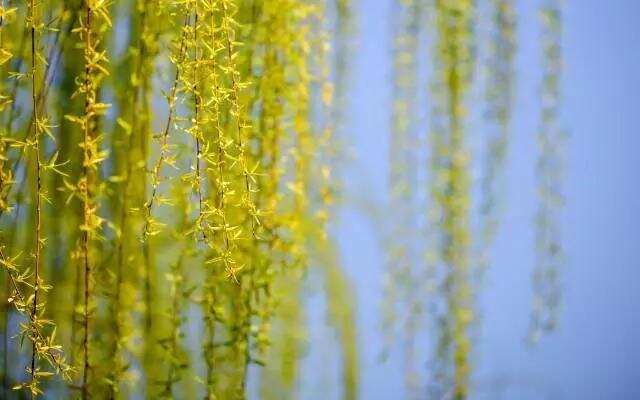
<point>546,280</point>
<point>455,62</point>
<point>341,306</point>
<point>499,98</point>
<point>96,15</point>
<point>38,192</point>
<point>401,303</point>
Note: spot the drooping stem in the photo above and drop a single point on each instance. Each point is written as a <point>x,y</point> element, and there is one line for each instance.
<point>128,200</point>
<point>96,16</point>
<point>220,165</point>
<point>197,100</point>
<point>237,113</point>
<point>86,196</point>
<point>38,167</point>
<point>156,172</point>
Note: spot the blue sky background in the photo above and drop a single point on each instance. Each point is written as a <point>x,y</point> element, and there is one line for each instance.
<point>596,350</point>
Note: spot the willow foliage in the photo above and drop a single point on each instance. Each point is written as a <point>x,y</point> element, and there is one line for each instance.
<point>169,172</point>
<point>157,175</point>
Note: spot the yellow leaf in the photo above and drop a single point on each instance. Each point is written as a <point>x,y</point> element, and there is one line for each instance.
<point>4,56</point>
